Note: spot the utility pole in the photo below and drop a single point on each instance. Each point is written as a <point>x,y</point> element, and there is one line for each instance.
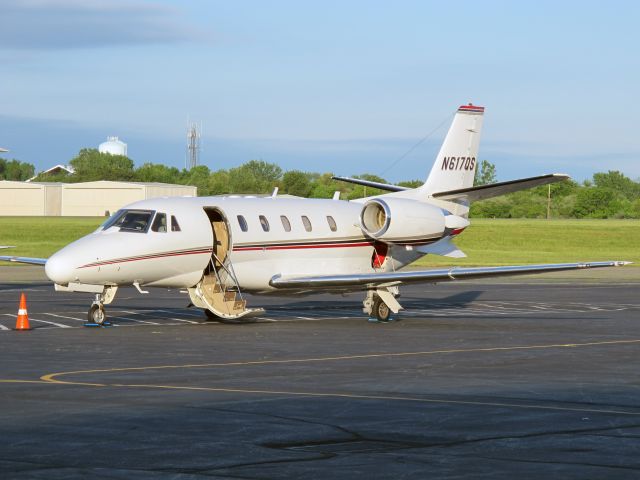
<point>549,203</point>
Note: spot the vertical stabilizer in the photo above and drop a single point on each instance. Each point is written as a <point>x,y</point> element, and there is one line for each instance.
<point>456,163</point>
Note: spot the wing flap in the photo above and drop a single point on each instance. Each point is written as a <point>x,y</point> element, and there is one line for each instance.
<point>496,189</point>
<point>370,280</point>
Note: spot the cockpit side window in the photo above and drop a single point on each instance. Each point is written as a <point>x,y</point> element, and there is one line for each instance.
<point>132,221</point>
<point>159,223</point>
<point>112,219</point>
<point>175,226</point>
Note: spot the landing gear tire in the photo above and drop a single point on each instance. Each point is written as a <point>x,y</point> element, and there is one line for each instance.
<point>381,311</point>
<point>97,314</point>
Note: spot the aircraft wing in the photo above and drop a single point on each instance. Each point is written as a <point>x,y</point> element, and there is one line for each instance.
<point>373,280</point>
<point>27,260</point>
<point>496,189</point>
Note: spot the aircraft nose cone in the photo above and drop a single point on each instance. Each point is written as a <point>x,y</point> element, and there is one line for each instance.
<point>59,269</point>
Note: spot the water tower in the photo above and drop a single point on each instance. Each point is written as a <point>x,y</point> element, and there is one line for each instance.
<point>113,146</point>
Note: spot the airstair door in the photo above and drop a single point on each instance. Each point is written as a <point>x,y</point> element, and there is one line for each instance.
<point>219,291</point>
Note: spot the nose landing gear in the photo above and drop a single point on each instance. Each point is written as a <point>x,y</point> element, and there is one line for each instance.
<point>97,316</point>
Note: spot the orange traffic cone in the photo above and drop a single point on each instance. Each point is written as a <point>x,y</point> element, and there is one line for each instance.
<point>22,322</point>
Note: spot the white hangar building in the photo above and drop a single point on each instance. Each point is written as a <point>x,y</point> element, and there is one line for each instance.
<point>87,199</point>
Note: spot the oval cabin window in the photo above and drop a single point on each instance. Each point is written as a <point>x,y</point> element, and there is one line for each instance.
<point>306,222</point>
<point>285,223</point>
<point>243,223</point>
<point>264,222</point>
<point>332,223</point>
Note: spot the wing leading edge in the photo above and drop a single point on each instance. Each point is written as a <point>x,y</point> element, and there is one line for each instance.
<point>27,260</point>
<point>370,280</point>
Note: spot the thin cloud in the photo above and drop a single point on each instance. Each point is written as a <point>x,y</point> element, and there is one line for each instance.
<point>71,24</point>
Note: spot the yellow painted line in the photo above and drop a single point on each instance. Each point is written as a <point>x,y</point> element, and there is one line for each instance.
<point>22,381</point>
<point>357,396</point>
<point>51,377</point>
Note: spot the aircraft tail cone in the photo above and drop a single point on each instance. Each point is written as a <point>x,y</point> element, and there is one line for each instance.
<point>22,322</point>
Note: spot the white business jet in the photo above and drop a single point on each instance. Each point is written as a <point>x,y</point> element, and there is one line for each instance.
<point>216,248</point>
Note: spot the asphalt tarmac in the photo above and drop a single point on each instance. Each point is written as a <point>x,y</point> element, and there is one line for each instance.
<point>474,380</point>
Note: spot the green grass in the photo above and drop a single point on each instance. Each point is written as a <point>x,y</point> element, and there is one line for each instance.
<point>516,241</point>
<point>42,236</point>
<point>486,241</point>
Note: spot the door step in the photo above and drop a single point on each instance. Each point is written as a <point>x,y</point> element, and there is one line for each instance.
<point>208,294</point>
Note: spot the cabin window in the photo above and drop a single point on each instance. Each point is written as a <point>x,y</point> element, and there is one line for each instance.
<point>306,222</point>
<point>332,223</point>
<point>264,222</point>
<point>175,226</point>
<point>243,223</point>
<point>285,223</point>
<point>159,223</point>
<point>130,220</point>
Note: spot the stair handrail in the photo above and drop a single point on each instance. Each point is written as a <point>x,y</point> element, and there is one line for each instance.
<point>229,272</point>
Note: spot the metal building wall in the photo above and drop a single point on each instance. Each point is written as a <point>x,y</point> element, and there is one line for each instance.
<point>87,199</point>
<point>53,200</point>
<point>21,199</point>
<point>154,190</point>
<point>101,198</point>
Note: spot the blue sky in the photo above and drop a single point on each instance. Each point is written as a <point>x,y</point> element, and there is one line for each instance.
<point>346,87</point>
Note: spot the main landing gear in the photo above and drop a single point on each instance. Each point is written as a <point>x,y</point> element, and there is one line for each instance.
<point>381,304</point>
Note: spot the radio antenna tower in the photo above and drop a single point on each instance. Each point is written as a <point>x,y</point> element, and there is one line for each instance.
<point>193,145</point>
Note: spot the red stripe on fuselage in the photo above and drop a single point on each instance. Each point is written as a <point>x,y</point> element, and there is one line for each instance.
<point>295,247</point>
<point>145,257</point>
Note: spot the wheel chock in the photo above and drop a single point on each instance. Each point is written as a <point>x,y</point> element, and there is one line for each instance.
<point>98,325</point>
<point>375,320</point>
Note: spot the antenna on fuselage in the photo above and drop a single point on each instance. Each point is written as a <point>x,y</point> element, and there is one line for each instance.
<point>275,192</point>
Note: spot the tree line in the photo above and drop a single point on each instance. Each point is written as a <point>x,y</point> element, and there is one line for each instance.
<point>607,195</point>
<point>15,170</point>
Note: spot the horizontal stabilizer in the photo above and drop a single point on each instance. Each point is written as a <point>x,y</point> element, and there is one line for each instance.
<point>367,183</point>
<point>373,280</point>
<point>496,189</point>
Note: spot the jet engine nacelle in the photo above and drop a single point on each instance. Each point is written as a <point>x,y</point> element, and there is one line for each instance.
<point>396,220</point>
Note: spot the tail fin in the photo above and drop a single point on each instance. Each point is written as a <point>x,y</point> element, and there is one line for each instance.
<point>455,165</point>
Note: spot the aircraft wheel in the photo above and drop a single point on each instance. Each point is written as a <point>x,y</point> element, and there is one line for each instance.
<point>211,316</point>
<point>97,314</point>
<point>381,310</point>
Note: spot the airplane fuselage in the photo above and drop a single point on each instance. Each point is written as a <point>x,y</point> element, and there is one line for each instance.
<point>267,236</point>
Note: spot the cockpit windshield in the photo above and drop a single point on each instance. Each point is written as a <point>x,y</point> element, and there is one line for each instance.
<point>130,220</point>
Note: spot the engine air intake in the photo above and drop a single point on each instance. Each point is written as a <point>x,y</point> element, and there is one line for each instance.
<point>375,218</point>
